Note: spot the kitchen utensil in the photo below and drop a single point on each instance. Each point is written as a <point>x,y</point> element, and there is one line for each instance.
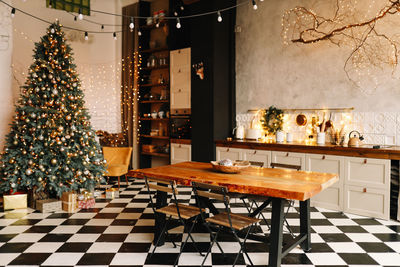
<point>280,136</point>
<point>355,141</point>
<point>253,134</point>
<point>328,123</point>
<point>301,120</point>
<point>239,132</point>
<point>237,166</point>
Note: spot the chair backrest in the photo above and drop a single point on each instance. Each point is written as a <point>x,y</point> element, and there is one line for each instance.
<point>208,191</point>
<point>285,166</point>
<point>257,163</point>
<point>117,155</point>
<point>162,185</point>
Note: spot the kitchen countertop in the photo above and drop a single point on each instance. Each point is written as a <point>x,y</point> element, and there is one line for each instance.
<point>385,152</point>
<point>181,141</point>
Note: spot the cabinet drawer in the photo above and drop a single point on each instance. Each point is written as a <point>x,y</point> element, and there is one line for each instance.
<point>330,198</point>
<point>258,156</point>
<point>229,153</point>
<point>180,100</point>
<point>180,57</point>
<point>368,172</point>
<point>290,158</point>
<point>180,153</point>
<point>366,201</point>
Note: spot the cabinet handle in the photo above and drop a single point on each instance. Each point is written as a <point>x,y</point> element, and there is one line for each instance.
<point>255,151</point>
<point>227,150</point>
<point>180,90</point>
<point>287,154</point>
<point>180,145</point>
<point>364,190</point>
<point>323,157</point>
<point>365,161</point>
<point>179,71</point>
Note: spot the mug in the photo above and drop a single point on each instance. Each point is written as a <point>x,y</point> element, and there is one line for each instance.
<point>161,114</point>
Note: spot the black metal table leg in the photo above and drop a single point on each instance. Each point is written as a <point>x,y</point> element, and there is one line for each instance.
<point>275,252</point>
<point>305,224</point>
<point>161,201</point>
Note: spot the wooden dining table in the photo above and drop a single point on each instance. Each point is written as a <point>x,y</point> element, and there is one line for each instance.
<point>279,185</point>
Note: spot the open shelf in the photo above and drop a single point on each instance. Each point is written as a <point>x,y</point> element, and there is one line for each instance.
<point>154,50</point>
<point>155,137</point>
<point>153,84</point>
<point>162,155</point>
<point>156,67</point>
<point>157,119</point>
<point>153,101</point>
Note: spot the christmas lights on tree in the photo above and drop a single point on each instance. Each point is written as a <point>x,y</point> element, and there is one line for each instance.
<point>51,146</point>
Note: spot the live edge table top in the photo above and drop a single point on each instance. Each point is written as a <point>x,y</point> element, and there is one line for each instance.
<point>280,183</point>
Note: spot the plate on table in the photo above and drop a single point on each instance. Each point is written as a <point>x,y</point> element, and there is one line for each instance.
<point>229,166</point>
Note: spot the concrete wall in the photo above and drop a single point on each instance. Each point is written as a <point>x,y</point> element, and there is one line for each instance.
<point>300,76</point>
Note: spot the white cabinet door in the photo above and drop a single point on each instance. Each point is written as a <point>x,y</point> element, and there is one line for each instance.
<point>258,156</point>
<point>180,153</point>
<point>368,172</point>
<point>229,153</point>
<point>180,72</point>
<point>290,158</point>
<point>331,197</point>
<point>367,201</point>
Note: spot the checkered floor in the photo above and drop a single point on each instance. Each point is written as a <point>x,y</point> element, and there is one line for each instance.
<point>119,233</point>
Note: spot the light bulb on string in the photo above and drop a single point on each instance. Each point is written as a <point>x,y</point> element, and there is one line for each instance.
<point>13,12</point>
<point>219,19</point>
<point>86,36</point>
<point>254,4</point>
<point>102,27</point>
<point>182,7</point>
<point>115,36</point>
<point>175,13</point>
<point>50,4</point>
<point>75,18</point>
<point>178,23</point>
<point>131,25</point>
<point>80,16</point>
<point>139,33</point>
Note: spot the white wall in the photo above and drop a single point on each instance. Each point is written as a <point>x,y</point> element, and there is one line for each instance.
<point>6,93</point>
<point>299,76</point>
<point>98,60</point>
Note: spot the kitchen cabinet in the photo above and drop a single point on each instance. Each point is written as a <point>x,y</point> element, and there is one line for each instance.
<point>363,187</point>
<point>257,156</point>
<point>332,197</point>
<point>229,153</point>
<point>180,153</point>
<point>367,187</point>
<point>180,72</point>
<point>290,158</point>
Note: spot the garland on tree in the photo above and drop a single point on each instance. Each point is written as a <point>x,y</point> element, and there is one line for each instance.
<point>272,120</point>
<point>51,146</point>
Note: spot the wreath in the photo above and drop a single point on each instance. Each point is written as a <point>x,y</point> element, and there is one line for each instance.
<point>273,120</point>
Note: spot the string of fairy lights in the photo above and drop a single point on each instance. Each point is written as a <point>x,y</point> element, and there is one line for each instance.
<point>131,26</point>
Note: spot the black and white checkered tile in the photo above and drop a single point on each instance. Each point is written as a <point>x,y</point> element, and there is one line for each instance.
<point>119,233</point>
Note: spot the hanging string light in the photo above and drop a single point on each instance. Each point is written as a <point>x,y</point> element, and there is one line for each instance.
<point>86,36</point>
<point>254,4</point>
<point>80,16</point>
<point>219,19</point>
<point>13,12</point>
<point>178,23</point>
<point>115,36</point>
<point>131,25</point>
<point>102,27</point>
<point>139,33</point>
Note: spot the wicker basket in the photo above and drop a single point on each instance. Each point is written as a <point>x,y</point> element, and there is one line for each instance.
<point>237,167</point>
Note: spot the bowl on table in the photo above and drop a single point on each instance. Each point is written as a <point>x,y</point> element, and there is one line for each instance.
<point>230,166</point>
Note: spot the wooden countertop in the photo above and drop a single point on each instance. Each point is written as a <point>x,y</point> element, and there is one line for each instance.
<point>365,151</point>
<point>181,141</point>
<point>282,183</point>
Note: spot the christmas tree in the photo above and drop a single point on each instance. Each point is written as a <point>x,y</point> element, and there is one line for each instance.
<point>51,146</point>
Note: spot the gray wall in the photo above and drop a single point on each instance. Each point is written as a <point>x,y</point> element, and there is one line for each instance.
<point>299,76</point>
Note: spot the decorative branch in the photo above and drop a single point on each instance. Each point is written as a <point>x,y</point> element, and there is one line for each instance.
<point>372,49</point>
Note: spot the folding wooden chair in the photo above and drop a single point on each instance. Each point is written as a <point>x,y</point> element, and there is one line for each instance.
<point>181,213</point>
<point>225,220</point>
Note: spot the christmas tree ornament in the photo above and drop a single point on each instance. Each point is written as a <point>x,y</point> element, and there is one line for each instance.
<point>51,124</point>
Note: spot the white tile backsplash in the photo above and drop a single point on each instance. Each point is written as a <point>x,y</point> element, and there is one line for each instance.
<point>377,127</point>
